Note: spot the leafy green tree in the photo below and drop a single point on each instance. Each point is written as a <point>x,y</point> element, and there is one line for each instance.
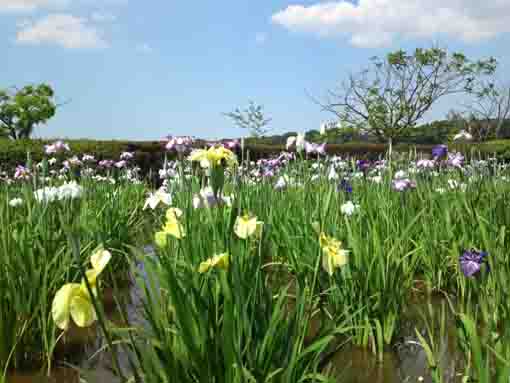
<point>393,94</point>
<point>21,110</point>
<point>252,119</point>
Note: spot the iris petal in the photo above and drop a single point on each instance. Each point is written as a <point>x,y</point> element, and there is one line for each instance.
<point>61,306</point>
<point>175,229</point>
<point>204,266</point>
<point>220,261</point>
<point>470,268</point>
<point>245,226</point>
<point>161,239</point>
<point>82,311</point>
<point>100,259</point>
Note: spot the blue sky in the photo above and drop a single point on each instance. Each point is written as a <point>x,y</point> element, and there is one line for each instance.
<point>145,69</point>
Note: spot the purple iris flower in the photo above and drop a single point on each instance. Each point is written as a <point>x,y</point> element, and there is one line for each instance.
<point>285,157</point>
<point>311,148</point>
<point>403,184</point>
<point>22,172</point>
<point>471,261</point>
<point>345,186</point>
<point>273,163</point>
<point>455,160</point>
<point>232,144</point>
<point>363,165</point>
<point>106,163</point>
<point>179,144</point>
<point>439,151</point>
<point>56,147</point>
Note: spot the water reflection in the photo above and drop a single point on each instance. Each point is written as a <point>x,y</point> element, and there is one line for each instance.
<point>407,360</point>
<point>64,375</point>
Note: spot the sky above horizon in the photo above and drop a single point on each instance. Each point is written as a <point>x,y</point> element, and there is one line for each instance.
<point>127,69</point>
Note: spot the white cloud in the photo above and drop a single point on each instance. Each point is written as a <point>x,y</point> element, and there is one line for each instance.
<point>103,17</point>
<point>260,38</point>
<point>144,48</point>
<point>30,5</point>
<point>62,29</point>
<point>371,23</point>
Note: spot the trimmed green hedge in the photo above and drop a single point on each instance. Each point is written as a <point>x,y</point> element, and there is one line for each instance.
<point>500,149</point>
<point>150,155</point>
<point>147,154</point>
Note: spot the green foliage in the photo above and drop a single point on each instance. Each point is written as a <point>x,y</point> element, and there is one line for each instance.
<point>487,350</point>
<point>37,258</point>
<point>34,262</point>
<point>22,110</point>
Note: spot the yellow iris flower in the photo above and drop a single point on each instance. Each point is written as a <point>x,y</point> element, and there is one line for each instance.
<point>175,229</point>
<point>73,300</point>
<point>220,260</point>
<point>172,227</point>
<point>214,156</point>
<point>333,256</point>
<point>245,226</point>
<point>173,214</point>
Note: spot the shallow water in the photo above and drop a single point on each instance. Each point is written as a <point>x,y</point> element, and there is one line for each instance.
<point>404,362</point>
<point>83,363</point>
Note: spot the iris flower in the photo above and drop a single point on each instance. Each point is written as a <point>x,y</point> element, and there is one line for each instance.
<point>345,186</point>
<point>349,208</point>
<point>56,147</point>
<point>214,156</point>
<point>281,183</point>
<point>173,214</point>
<point>172,227</point>
<point>245,226</point>
<point>298,140</point>
<point>471,261</point>
<point>363,165</point>
<point>156,198</point>
<point>73,300</point>
<point>463,135</point>
<point>333,256</point>
<point>311,148</point>
<point>179,144</point>
<point>207,199</point>
<point>439,151</point>
<point>456,160</point>
<point>220,260</point>
<point>403,184</point>
<point>15,202</point>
